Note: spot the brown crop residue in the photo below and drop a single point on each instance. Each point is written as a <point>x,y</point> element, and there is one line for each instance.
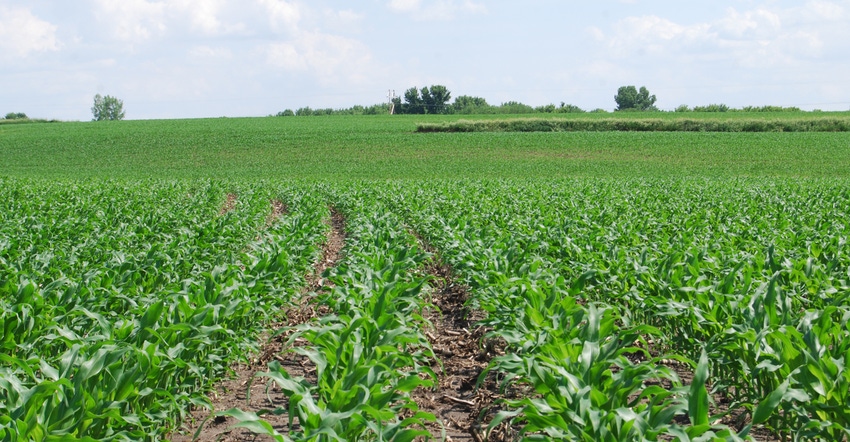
<point>229,204</point>
<point>462,405</point>
<point>279,208</point>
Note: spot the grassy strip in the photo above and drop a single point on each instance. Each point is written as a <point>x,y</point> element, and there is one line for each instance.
<point>830,124</point>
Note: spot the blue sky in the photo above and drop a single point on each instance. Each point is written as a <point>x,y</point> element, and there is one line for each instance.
<point>211,58</point>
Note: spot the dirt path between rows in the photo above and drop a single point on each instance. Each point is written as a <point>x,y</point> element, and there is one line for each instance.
<point>459,345</point>
<point>233,393</point>
<point>229,204</point>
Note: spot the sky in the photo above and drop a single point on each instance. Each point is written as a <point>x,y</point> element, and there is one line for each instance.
<point>234,58</point>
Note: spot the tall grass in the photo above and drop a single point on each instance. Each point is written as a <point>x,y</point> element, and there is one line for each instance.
<point>827,124</point>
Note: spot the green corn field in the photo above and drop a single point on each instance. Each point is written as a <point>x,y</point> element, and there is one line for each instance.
<point>604,306</point>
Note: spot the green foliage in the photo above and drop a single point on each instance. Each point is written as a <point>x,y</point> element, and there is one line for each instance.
<point>547,109</point>
<point>370,352</point>
<point>641,125</point>
<point>514,107</point>
<point>562,109</point>
<point>107,108</point>
<point>466,104</point>
<point>628,98</point>
<point>750,109</point>
<point>16,116</point>
<point>120,306</point>
<point>376,109</point>
<point>412,102</point>
<point>433,100</point>
<point>577,277</point>
<point>770,109</point>
<point>569,109</point>
<point>323,112</point>
<point>122,302</point>
<point>712,108</point>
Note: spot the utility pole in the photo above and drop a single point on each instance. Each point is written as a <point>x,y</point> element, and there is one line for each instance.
<point>391,100</point>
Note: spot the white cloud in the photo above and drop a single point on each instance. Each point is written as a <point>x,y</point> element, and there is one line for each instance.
<point>436,9</point>
<point>202,14</point>
<point>285,55</point>
<point>136,21</point>
<point>405,5</point>
<point>652,35</point>
<point>283,15</point>
<point>758,24</point>
<point>824,10</point>
<point>211,53</point>
<point>329,57</point>
<point>341,20</point>
<point>22,33</point>
<point>133,20</point>
<point>760,37</point>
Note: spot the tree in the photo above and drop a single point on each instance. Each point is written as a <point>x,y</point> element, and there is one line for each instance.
<point>629,98</point>
<point>412,102</point>
<point>107,108</point>
<point>466,104</point>
<point>515,107</point>
<point>429,100</point>
<point>569,108</point>
<point>16,116</point>
<point>435,99</point>
<point>546,109</point>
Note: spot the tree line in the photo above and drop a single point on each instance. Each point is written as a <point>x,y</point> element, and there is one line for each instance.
<point>435,100</point>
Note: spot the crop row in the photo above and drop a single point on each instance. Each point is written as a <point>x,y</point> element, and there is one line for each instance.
<point>633,310</point>
<point>120,305</point>
<point>596,286</point>
<point>369,351</point>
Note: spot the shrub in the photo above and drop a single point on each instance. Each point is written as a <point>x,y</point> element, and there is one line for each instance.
<point>569,108</point>
<point>642,125</point>
<point>547,109</point>
<point>712,108</point>
<point>515,107</point>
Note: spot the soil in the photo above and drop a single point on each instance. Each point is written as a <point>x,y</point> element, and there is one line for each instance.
<point>278,208</point>
<point>265,395</point>
<point>229,204</point>
<point>457,401</point>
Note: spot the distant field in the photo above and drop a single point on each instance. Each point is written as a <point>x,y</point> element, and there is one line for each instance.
<point>386,147</point>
